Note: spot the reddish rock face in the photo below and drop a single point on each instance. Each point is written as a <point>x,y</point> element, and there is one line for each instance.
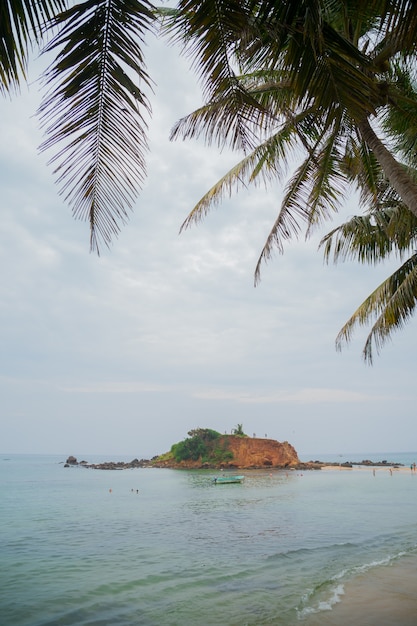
<point>248,452</point>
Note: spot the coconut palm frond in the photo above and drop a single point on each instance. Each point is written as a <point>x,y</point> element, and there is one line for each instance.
<point>329,71</point>
<point>373,237</point>
<point>224,187</point>
<point>360,238</point>
<point>95,110</point>
<point>362,169</point>
<point>266,163</point>
<point>21,25</point>
<point>293,213</point>
<point>399,120</point>
<point>261,163</point>
<point>210,31</point>
<point>312,195</point>
<point>399,21</point>
<point>392,304</point>
<point>327,184</point>
<point>235,122</point>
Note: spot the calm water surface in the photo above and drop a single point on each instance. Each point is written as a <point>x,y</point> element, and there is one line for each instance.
<point>277,550</point>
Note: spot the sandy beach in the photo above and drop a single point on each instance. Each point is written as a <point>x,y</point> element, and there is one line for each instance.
<point>383,596</point>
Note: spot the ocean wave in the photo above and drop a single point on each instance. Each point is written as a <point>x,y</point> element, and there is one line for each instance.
<point>327,593</point>
<point>289,554</point>
<point>335,596</point>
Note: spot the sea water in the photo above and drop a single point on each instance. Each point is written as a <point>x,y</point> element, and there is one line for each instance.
<point>156,547</point>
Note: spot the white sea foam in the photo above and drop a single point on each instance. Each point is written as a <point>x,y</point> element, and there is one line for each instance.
<point>334,597</point>
<point>334,593</point>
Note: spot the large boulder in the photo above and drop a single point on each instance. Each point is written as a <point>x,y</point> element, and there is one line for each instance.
<point>256,452</point>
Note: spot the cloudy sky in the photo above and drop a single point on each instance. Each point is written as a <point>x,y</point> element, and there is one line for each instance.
<point>123,354</point>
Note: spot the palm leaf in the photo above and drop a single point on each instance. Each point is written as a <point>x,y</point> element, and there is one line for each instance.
<point>292,213</point>
<point>94,111</point>
<point>235,121</point>
<point>369,238</point>
<point>327,184</point>
<point>21,26</point>
<point>392,304</point>
<point>261,162</point>
<point>266,162</point>
<point>210,31</point>
<point>313,193</point>
<point>398,22</point>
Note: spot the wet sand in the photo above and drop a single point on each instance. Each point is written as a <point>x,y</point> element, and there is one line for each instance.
<point>384,596</point>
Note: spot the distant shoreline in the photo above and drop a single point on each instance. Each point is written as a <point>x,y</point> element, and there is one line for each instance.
<point>302,466</point>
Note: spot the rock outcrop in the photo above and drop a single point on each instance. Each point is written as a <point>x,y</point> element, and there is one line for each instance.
<point>248,453</point>
<point>108,465</point>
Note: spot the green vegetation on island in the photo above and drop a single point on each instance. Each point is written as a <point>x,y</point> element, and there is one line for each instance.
<point>202,443</point>
<point>238,431</point>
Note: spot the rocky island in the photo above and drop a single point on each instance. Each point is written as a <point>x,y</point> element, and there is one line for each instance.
<point>229,451</point>
<point>207,449</point>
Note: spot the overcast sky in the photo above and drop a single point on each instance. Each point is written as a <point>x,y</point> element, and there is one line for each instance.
<point>124,354</point>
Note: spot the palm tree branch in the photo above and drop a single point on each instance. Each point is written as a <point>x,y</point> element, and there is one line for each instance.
<point>22,23</point>
<point>268,160</point>
<point>262,161</point>
<point>293,210</point>
<point>95,111</point>
<point>392,304</point>
<point>328,185</point>
<point>312,193</point>
<point>210,31</point>
<point>372,238</point>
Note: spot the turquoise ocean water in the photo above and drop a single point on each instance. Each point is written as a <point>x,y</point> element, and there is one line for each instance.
<point>276,550</point>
